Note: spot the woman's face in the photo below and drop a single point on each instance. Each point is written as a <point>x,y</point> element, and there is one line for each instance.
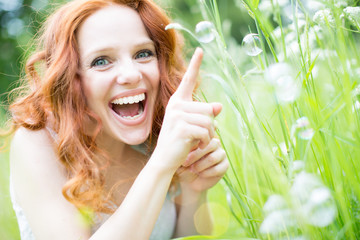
<point>119,73</point>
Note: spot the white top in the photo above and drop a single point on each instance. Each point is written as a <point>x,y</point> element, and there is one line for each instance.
<point>163,230</point>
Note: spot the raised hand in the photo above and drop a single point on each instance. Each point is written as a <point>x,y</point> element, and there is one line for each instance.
<point>187,124</point>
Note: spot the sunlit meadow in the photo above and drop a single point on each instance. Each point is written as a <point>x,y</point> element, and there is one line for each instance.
<point>290,123</point>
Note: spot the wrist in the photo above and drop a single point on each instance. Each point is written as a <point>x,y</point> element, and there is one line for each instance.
<point>191,196</point>
<point>160,165</point>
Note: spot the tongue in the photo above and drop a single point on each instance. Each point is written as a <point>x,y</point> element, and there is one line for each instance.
<point>127,110</point>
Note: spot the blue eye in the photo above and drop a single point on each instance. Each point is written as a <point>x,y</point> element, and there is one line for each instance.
<point>98,62</point>
<point>144,54</point>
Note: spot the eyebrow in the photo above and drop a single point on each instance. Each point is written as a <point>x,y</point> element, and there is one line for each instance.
<point>106,49</point>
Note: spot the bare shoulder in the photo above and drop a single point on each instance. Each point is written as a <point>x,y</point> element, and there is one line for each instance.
<point>32,148</point>
<point>33,161</point>
<point>25,139</point>
<point>37,178</point>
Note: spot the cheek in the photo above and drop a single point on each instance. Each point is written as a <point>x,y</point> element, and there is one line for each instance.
<point>91,91</point>
<point>155,78</point>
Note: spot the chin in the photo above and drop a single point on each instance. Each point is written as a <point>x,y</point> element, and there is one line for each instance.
<point>135,137</point>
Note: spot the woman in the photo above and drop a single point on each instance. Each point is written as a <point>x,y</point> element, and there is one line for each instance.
<point>108,124</point>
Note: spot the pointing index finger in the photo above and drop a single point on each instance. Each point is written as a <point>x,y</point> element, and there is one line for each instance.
<point>188,83</point>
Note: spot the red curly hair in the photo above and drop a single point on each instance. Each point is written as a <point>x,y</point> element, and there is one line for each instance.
<point>55,98</point>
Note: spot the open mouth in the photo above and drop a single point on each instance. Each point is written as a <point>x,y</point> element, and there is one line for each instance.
<point>130,107</point>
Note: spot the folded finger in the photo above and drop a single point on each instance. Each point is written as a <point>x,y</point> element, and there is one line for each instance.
<point>209,160</point>
<point>199,153</point>
<point>218,170</point>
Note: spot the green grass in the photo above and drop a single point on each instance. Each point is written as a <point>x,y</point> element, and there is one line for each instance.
<point>8,225</point>
<point>290,123</point>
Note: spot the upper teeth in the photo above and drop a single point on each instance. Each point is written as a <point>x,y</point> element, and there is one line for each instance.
<point>130,99</point>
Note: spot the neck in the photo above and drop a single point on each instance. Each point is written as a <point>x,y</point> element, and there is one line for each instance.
<point>119,152</point>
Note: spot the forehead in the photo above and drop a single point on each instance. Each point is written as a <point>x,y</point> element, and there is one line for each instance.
<point>112,25</point>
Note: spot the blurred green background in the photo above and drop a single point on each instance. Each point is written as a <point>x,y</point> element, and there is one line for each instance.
<point>20,21</point>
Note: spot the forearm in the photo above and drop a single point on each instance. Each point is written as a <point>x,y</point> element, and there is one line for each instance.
<point>136,216</point>
<point>193,215</point>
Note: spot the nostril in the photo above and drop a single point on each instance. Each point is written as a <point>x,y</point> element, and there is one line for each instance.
<point>129,77</point>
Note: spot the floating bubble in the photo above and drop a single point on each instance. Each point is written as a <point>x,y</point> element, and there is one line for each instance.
<point>301,127</point>
<point>205,31</point>
<point>302,122</point>
<point>275,202</point>
<point>314,200</point>
<point>297,166</point>
<point>306,134</point>
<point>252,44</point>
<point>277,222</point>
<point>321,209</point>
<point>277,70</point>
<point>303,185</point>
<point>287,89</point>
<point>282,77</point>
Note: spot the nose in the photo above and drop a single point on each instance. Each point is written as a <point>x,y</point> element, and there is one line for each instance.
<point>128,73</point>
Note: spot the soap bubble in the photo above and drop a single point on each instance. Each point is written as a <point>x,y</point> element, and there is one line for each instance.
<point>277,222</point>
<point>303,184</point>
<point>282,77</point>
<point>302,122</point>
<point>321,210</point>
<point>205,31</point>
<point>306,134</point>
<point>252,44</point>
<point>278,216</point>
<point>297,166</point>
<point>301,127</point>
<point>314,200</point>
<point>274,203</point>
